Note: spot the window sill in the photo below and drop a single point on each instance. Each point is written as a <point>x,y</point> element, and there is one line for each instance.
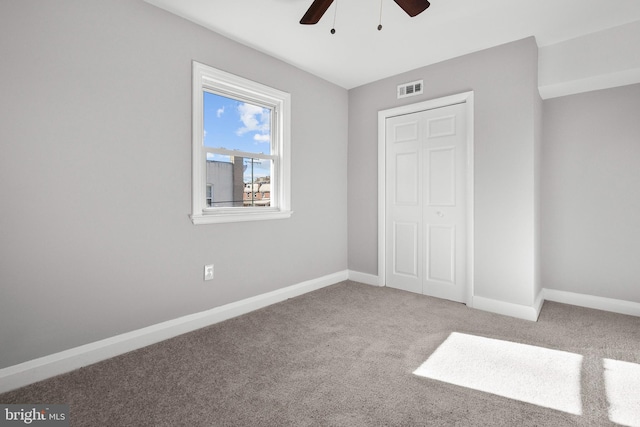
<point>218,218</point>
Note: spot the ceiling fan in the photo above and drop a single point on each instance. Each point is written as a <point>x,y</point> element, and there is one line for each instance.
<point>319,7</point>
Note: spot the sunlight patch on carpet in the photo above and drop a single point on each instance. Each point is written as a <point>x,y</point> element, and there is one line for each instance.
<point>527,373</point>
<point>622,382</point>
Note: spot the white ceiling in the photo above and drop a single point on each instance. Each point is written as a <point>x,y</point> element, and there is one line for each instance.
<point>358,53</point>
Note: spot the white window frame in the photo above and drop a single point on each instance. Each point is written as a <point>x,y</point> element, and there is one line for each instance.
<point>206,78</point>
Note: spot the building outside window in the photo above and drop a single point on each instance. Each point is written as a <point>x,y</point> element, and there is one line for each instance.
<point>209,195</point>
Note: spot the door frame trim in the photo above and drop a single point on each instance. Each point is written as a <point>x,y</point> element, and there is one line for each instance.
<point>461,98</point>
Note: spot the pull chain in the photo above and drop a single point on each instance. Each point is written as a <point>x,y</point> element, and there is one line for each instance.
<point>380,23</point>
<point>335,13</point>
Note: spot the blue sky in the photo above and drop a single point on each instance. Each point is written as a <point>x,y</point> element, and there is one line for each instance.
<point>237,125</point>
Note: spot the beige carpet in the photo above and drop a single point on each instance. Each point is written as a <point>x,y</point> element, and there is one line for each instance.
<point>357,355</point>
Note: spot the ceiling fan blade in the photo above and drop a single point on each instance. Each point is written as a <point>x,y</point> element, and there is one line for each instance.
<point>315,12</point>
<point>413,7</point>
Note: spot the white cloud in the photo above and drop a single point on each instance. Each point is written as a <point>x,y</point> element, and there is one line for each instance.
<point>254,119</point>
<point>220,112</point>
<point>262,137</point>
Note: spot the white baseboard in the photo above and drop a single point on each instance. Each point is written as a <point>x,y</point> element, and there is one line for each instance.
<point>367,279</point>
<point>45,367</point>
<point>580,300</point>
<point>590,301</point>
<point>538,303</point>
<point>507,308</point>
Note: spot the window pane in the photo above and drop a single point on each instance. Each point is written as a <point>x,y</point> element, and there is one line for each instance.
<point>236,125</point>
<point>257,182</point>
<point>234,181</point>
<point>224,178</point>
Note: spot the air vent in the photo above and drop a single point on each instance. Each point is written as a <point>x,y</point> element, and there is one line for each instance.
<point>410,89</point>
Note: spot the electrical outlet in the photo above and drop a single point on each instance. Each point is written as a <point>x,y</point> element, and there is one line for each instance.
<point>208,272</point>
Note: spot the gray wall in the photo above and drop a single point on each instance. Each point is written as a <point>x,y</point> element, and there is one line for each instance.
<point>95,166</point>
<point>591,203</point>
<point>504,80</point>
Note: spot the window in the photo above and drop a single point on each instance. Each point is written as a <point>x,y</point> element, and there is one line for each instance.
<point>240,144</point>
